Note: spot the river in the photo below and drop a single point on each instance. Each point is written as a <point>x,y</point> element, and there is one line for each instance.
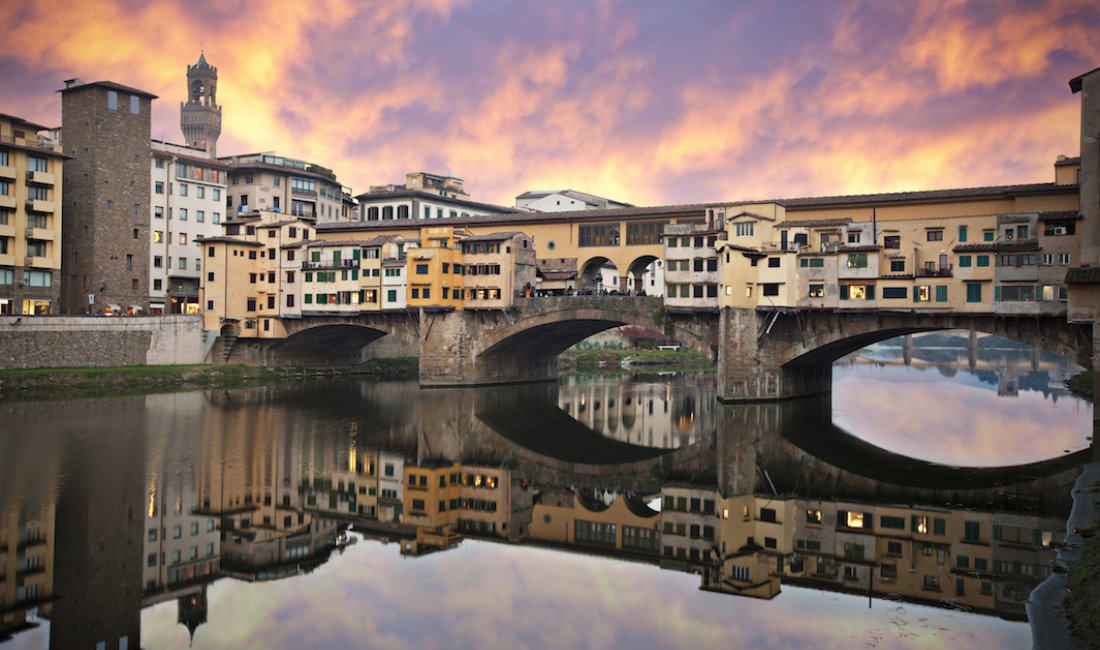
<point>915,507</point>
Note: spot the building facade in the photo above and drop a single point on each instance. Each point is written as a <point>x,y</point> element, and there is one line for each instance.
<point>105,128</point>
<point>265,181</point>
<point>30,218</point>
<point>188,204</point>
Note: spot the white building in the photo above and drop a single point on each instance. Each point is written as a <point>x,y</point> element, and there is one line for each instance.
<point>565,201</point>
<point>188,202</point>
<point>422,196</point>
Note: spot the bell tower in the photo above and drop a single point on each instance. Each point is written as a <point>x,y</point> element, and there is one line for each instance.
<point>200,116</point>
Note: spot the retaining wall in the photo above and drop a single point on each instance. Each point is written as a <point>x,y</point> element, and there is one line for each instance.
<point>97,341</point>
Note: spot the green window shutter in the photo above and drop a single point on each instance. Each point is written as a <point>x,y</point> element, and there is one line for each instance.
<point>843,292</point>
<point>1038,292</point>
<point>964,261</point>
<point>355,274</point>
<point>941,293</point>
<point>996,294</point>
<point>870,292</point>
<point>916,294</point>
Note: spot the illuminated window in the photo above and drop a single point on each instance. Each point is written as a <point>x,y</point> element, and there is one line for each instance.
<point>817,291</point>
<point>919,524</point>
<point>813,517</point>
<point>854,519</point>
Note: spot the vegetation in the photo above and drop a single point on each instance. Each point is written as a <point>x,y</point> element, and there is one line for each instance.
<point>57,383</point>
<point>1081,384</point>
<point>1083,602</point>
<point>323,171</point>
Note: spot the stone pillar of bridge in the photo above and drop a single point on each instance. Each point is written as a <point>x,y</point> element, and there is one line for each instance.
<point>751,367</point>
<point>450,343</point>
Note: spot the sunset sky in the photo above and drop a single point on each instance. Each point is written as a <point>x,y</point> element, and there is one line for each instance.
<point>646,102</point>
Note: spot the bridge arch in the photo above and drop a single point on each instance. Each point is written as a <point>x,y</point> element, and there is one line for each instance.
<point>636,275</point>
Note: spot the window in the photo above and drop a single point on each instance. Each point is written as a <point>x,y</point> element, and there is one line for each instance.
<point>158,262</point>
<point>769,289</point>
<point>857,260</point>
<point>973,292</point>
<point>812,262</point>
<point>773,262</point>
<point>935,235</point>
<point>922,293</point>
<point>983,260</point>
<point>183,239</point>
<point>158,187</point>
<point>897,266</point>
<point>158,236</point>
<point>1063,259</point>
<point>941,293</point>
<point>134,104</point>
<point>817,291</point>
<point>183,189</point>
<point>182,214</point>
<point>744,229</point>
<point>112,100</point>
<point>422,269</point>
<point>895,292</point>
<point>200,216</point>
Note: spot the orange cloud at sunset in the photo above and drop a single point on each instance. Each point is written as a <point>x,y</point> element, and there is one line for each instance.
<point>638,101</point>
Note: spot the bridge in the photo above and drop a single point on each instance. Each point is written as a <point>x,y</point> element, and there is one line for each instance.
<point>761,354</point>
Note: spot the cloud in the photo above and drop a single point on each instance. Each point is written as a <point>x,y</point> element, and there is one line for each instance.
<point>640,102</point>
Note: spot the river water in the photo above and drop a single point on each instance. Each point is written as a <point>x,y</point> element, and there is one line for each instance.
<point>915,508</point>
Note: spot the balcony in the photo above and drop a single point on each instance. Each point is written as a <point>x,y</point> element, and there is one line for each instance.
<point>40,178</point>
<point>39,262</point>
<point>44,234</point>
<point>7,173</point>
<point>38,205</point>
<point>934,273</point>
<point>7,230</point>
<point>7,201</point>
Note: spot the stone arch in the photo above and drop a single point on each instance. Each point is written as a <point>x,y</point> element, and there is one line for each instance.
<point>1050,334</point>
<point>590,275</point>
<point>636,275</point>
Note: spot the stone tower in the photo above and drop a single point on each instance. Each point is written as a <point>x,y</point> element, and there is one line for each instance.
<point>200,116</point>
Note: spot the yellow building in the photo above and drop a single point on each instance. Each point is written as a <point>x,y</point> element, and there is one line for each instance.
<point>625,525</point>
<point>434,270</point>
<point>30,218</point>
<point>497,268</point>
<point>253,275</point>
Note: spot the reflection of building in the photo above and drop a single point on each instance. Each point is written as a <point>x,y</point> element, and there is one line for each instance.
<point>26,567</point>
<point>665,415</point>
<point>618,524</point>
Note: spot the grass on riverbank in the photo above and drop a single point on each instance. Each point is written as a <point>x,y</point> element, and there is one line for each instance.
<point>610,360</point>
<point>1083,602</point>
<point>54,383</point>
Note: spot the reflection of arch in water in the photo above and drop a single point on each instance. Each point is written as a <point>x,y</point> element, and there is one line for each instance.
<point>807,423</point>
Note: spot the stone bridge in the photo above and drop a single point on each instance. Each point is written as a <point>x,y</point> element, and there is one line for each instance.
<point>783,354</point>
<point>523,343</point>
<point>761,355</point>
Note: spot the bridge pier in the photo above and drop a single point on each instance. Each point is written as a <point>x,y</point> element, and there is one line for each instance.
<point>450,343</point>
<point>750,363</point>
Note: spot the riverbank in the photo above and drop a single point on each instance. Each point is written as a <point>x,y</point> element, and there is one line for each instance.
<point>1082,602</point>
<point>60,383</point>
<point>613,360</point>
<point>1081,385</point>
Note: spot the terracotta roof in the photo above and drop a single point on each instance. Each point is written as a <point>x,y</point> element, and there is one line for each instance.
<point>1076,83</point>
<point>1083,275</point>
<point>375,241</point>
<point>15,119</point>
<point>813,223</point>
<point>365,199</point>
<point>495,236</point>
<point>110,85</point>
<point>866,248</point>
<point>1075,160</point>
<point>279,224</point>
<point>1006,246</point>
<point>924,195</point>
<point>1060,215</point>
<point>232,240</point>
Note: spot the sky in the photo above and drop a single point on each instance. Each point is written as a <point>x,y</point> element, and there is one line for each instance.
<point>648,102</point>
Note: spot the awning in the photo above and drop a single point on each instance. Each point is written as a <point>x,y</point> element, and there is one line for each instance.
<point>114,307</point>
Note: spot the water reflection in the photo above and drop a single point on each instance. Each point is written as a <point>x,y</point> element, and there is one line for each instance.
<point>222,512</point>
<point>970,399</point>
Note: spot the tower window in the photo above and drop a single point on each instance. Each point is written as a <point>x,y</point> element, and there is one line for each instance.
<point>112,100</point>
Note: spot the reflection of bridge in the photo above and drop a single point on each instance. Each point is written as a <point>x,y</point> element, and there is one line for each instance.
<point>761,355</point>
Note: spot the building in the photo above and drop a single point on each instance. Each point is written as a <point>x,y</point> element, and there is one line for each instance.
<point>565,201</point>
<point>107,187</point>
<point>691,266</point>
<point>252,272</point>
<point>30,218</point>
<point>497,268</point>
<point>265,181</point>
<point>200,115</point>
<point>422,196</point>
<point>188,201</point>
<point>434,270</point>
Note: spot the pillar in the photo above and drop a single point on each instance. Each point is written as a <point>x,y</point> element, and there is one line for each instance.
<point>750,363</point>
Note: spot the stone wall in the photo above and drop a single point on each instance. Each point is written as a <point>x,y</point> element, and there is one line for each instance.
<point>80,341</point>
